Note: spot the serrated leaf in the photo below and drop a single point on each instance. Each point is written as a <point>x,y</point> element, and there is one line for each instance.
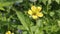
<point>22,19</point>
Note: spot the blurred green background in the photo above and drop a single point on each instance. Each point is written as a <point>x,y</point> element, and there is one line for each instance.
<point>13,17</point>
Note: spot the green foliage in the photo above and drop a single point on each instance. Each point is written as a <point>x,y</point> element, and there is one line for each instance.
<point>14,17</point>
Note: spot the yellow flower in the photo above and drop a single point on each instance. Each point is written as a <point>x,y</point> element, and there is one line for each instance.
<point>30,12</point>
<point>39,8</point>
<point>40,14</point>
<point>33,8</point>
<point>9,32</point>
<point>34,12</point>
<point>12,33</point>
<point>34,16</point>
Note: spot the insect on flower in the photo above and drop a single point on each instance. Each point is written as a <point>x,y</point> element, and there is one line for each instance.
<point>35,12</point>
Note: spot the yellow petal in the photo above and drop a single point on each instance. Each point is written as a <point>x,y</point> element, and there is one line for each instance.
<point>40,14</point>
<point>39,8</point>
<point>30,12</point>
<point>33,8</point>
<point>34,16</point>
<point>8,32</point>
<point>12,33</point>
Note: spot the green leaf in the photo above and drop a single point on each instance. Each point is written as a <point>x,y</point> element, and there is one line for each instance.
<point>54,28</point>
<point>58,22</point>
<point>58,1</point>
<point>5,4</point>
<point>8,3</point>
<point>21,17</point>
<point>25,32</point>
<point>28,21</point>
<point>39,1</point>
<point>52,14</point>
<point>49,2</point>
<point>1,8</point>
<point>44,1</point>
<point>33,28</point>
<point>39,31</point>
<point>39,23</point>
<point>20,27</point>
<point>20,1</point>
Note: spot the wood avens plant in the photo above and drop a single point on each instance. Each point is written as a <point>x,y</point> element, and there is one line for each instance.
<point>35,12</point>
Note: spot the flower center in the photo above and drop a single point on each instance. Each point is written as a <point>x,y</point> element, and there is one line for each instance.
<point>34,14</point>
